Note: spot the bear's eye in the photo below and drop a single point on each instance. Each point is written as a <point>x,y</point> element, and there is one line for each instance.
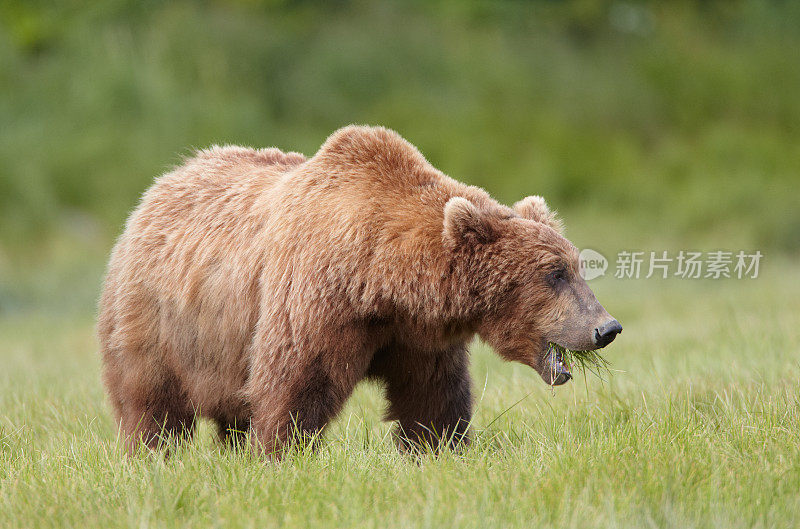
<point>558,276</point>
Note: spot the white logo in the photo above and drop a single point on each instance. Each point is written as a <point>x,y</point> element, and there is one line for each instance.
<point>592,264</point>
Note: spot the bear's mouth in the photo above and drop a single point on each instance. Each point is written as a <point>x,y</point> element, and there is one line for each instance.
<point>556,369</point>
<point>558,361</point>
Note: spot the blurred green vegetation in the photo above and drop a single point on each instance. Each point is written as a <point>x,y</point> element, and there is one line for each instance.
<point>639,121</point>
<point>651,126</point>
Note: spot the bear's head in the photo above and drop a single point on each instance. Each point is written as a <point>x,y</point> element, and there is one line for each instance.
<point>525,276</point>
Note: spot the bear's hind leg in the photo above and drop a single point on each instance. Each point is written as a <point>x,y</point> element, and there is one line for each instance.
<point>155,414</point>
<point>430,395</point>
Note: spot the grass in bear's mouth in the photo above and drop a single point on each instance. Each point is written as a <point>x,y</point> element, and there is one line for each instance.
<point>583,360</point>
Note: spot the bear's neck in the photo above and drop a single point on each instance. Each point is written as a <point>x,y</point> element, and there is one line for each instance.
<point>431,283</point>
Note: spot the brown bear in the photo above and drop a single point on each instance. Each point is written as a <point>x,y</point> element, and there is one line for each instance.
<point>257,288</point>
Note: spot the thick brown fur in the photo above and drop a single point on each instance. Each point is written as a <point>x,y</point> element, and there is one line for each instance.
<point>258,288</point>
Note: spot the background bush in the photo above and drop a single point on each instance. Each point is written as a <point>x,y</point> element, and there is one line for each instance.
<point>648,122</point>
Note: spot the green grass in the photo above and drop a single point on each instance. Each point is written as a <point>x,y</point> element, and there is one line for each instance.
<point>676,132</point>
<point>701,428</point>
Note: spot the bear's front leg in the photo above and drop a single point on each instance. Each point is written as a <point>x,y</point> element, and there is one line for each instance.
<point>297,406</point>
<point>430,395</point>
<point>296,391</point>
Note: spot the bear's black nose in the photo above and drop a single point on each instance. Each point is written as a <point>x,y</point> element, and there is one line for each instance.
<point>606,333</point>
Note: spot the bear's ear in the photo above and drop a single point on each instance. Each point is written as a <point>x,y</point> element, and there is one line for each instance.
<point>464,221</point>
<point>535,208</point>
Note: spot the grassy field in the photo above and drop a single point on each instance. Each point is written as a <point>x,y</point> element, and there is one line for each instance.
<point>700,428</point>
<point>648,125</point>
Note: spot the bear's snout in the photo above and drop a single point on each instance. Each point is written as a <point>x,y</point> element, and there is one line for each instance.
<point>606,333</point>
